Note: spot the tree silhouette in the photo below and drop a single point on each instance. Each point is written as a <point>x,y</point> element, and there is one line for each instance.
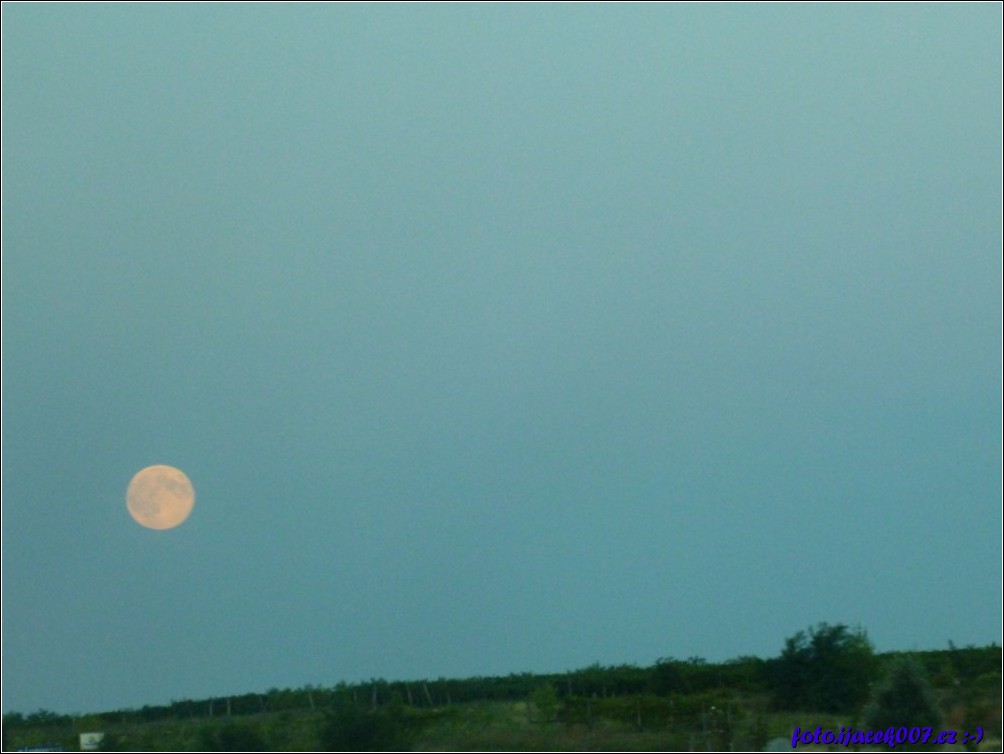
<point>828,669</point>
<point>904,699</point>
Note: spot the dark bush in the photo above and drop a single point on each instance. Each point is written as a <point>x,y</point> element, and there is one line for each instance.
<point>904,699</point>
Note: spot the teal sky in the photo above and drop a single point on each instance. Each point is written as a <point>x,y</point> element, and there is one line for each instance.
<point>493,338</point>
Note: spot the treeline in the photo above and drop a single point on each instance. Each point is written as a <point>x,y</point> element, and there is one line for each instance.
<point>827,668</point>
<point>595,681</point>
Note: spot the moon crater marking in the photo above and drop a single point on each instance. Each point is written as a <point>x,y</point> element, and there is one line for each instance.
<point>160,497</point>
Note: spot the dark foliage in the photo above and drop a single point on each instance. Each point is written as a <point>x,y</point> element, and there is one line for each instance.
<point>904,699</point>
<point>828,669</point>
<point>233,737</point>
<point>348,726</point>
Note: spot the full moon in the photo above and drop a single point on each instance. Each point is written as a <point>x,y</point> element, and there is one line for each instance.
<point>160,497</point>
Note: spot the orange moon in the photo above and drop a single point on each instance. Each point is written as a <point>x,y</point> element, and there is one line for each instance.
<point>160,497</point>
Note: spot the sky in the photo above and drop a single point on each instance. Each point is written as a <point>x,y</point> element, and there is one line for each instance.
<point>493,338</point>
